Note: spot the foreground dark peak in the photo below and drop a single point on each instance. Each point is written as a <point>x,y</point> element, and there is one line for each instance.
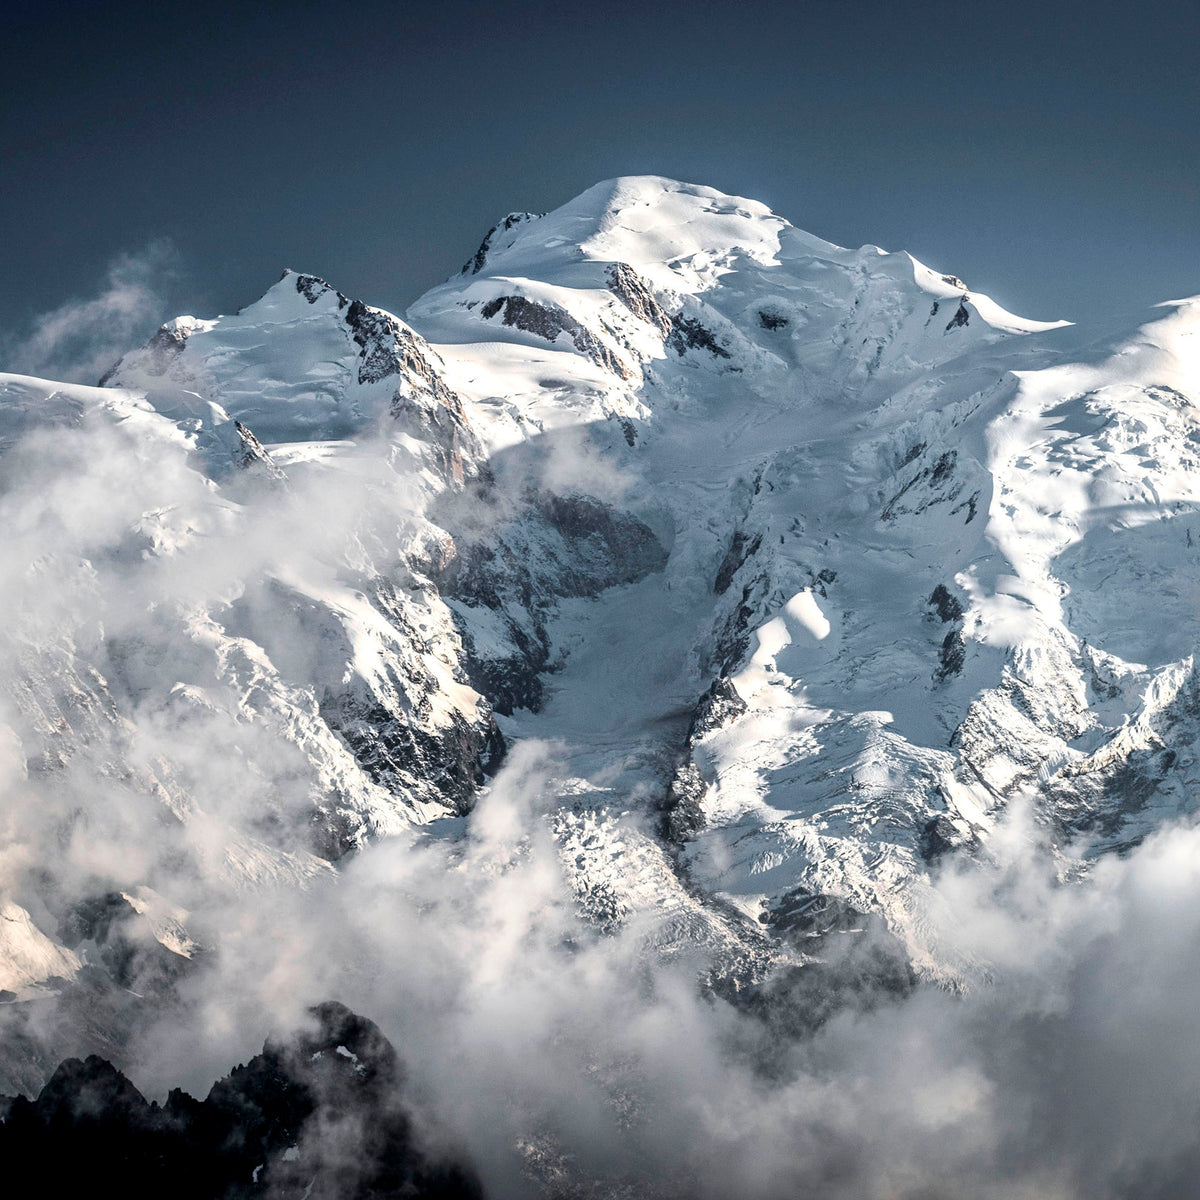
<point>321,1114</point>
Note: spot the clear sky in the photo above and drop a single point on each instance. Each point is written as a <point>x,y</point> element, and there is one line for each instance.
<point>1048,153</point>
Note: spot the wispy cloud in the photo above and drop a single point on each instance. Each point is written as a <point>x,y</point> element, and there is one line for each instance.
<point>78,341</point>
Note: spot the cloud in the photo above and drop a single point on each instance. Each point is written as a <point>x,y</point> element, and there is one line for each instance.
<point>1071,1074</point>
<point>78,341</point>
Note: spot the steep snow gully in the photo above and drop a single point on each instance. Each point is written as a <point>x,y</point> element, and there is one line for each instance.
<point>671,595</point>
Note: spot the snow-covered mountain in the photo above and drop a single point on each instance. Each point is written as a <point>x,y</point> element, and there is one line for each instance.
<point>806,563</point>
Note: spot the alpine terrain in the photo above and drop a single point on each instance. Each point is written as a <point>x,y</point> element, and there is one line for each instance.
<point>712,696</point>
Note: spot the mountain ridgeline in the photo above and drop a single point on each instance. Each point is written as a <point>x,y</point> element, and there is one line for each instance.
<point>803,569</point>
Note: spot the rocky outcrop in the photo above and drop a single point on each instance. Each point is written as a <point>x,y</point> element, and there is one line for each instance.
<point>720,705</point>
<point>961,316</point>
<point>549,321</point>
<point>160,351</point>
<point>634,292</point>
<point>683,814</point>
<point>322,1114</point>
<point>509,581</point>
<point>251,453</point>
<point>493,238</point>
<point>687,333</point>
<point>682,809</point>
<point>423,405</point>
<point>742,547</point>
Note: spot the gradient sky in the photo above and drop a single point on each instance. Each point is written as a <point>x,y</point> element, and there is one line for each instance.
<point>1048,153</point>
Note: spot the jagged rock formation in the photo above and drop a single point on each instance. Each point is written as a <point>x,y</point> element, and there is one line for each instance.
<point>321,1114</point>
<point>548,321</point>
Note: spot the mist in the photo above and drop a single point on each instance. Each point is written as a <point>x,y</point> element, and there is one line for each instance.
<point>1066,1068</point>
<point>80,339</point>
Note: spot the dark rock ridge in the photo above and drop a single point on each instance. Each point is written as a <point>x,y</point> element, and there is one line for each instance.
<point>689,334</point>
<point>313,287</point>
<point>549,321</point>
<point>941,836</point>
<point>740,549</point>
<point>634,292</point>
<point>681,333</point>
<point>683,813</point>
<point>720,705</point>
<point>387,348</point>
<point>939,483</point>
<point>946,604</point>
<point>953,652</point>
<point>322,1114</point>
<point>403,758</point>
<point>475,264</point>
<point>387,722</point>
<point>961,316</point>
<point>423,402</point>
<point>251,453</point>
<point>161,350</point>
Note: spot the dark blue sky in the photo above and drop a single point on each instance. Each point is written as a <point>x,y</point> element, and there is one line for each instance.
<point>1048,153</point>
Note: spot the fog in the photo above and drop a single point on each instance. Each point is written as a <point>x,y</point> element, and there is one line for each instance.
<point>1072,1070</point>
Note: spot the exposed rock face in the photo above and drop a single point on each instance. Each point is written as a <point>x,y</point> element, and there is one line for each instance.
<point>634,292</point>
<point>388,712</point>
<point>252,453</point>
<point>683,807</point>
<point>313,287</point>
<point>549,321</point>
<point>715,709</point>
<point>961,316</point>
<point>400,757</point>
<point>161,350</point>
<point>422,403</point>
<point>322,1114</point>
<point>947,606</point>
<point>494,238</point>
<point>687,333</point>
<point>554,547</point>
<point>740,549</point>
